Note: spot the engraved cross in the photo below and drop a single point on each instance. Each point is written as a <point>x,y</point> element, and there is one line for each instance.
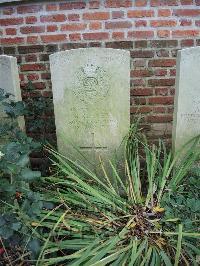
<point>93,146</point>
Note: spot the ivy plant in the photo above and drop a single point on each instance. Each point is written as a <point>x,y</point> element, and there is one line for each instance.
<point>16,177</point>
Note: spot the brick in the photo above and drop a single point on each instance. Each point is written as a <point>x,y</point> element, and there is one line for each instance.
<point>53,18</point>
<point>118,35</point>
<point>141,92</point>
<point>186,2</point>
<point>140,23</point>
<point>96,36</point>
<point>96,16</point>
<point>120,45</point>
<point>21,77</point>
<point>19,59</point>
<point>118,24</point>
<point>117,14</point>
<point>46,76</point>
<point>159,119</point>
<point>160,72</point>
<point>185,33</point>
<point>32,39</point>
<point>141,73</point>
<point>32,29</point>
<point>161,100</point>
<point>47,94</point>
<point>140,13</point>
<point>142,53</point>
<point>186,12</point>
<point>72,5</point>
<point>187,43</point>
<point>15,40</point>
<point>44,57</point>
<point>32,76</point>
<point>138,82</point>
<point>163,43</point>
<point>161,82</point>
<point>9,50</point>
<point>11,31</point>
<point>95,25</point>
<point>94,44</point>
<point>172,91</point>
<point>164,2</point>
<point>8,11</point>
<point>73,27</point>
<point>51,7</point>
<point>39,85</point>
<point>31,58</point>
<point>174,52</point>
<point>94,4</point>
<point>52,28</point>
<point>140,109</point>
<point>164,12</point>
<point>140,44</point>
<point>172,72</point>
<point>163,23</point>
<point>185,22</point>
<point>68,46</point>
<point>51,48</point>
<point>161,91</point>
<point>31,20</point>
<point>140,3</point>
<point>140,34</point>
<point>73,17</point>
<point>162,62</point>
<point>170,110</point>
<point>26,94</point>
<point>11,21</point>
<point>118,3</point>
<point>30,49</point>
<point>163,33</point>
<point>139,100</point>
<point>32,67</point>
<point>197,23</point>
<point>28,9</point>
<point>158,109</point>
<point>53,38</point>
<point>75,37</point>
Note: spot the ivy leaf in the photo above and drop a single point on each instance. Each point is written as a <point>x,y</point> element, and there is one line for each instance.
<point>14,109</point>
<point>2,221</point>
<point>6,232</point>
<point>16,226</point>
<point>34,246</point>
<point>48,205</point>
<point>29,175</point>
<point>23,161</point>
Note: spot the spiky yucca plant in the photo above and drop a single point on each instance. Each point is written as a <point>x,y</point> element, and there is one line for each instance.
<point>113,220</point>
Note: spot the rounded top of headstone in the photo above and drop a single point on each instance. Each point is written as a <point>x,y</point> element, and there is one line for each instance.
<point>92,50</point>
<point>8,57</point>
<point>190,50</point>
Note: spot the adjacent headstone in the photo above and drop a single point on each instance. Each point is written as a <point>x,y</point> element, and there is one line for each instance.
<point>186,124</point>
<point>91,92</point>
<point>9,82</point>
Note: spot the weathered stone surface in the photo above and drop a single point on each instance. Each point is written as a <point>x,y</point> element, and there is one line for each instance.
<point>91,101</point>
<point>9,82</point>
<point>186,124</point>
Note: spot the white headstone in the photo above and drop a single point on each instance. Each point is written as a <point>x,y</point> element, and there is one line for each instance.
<point>9,82</point>
<point>186,124</point>
<point>91,95</point>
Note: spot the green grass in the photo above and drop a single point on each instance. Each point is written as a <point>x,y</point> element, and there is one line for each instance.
<point>118,220</point>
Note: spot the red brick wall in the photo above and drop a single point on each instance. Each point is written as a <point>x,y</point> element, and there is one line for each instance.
<point>153,31</point>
